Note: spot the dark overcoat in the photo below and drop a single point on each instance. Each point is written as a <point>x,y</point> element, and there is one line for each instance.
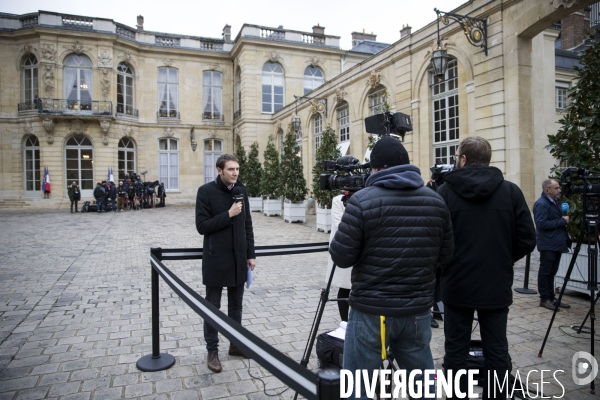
<point>551,227</point>
<point>228,242</point>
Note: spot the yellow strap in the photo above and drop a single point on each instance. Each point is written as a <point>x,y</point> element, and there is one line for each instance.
<point>382,324</point>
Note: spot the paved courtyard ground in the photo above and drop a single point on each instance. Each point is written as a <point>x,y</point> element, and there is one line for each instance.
<point>75,311</point>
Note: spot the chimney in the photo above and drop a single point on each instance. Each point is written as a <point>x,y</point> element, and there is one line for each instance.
<point>318,30</point>
<point>575,27</point>
<point>405,31</point>
<point>140,24</point>
<point>227,33</point>
<point>358,37</point>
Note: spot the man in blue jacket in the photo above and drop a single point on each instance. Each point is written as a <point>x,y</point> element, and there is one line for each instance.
<point>550,226</point>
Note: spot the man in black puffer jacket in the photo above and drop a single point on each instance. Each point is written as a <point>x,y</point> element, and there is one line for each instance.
<point>493,229</point>
<point>394,232</point>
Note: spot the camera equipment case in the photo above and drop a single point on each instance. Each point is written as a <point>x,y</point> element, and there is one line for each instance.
<point>330,351</point>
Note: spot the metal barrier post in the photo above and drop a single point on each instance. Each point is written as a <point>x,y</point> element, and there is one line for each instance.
<point>328,384</point>
<point>156,361</point>
<point>525,289</point>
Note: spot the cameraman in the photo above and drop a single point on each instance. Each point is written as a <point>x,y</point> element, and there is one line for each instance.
<point>493,229</point>
<point>394,232</point>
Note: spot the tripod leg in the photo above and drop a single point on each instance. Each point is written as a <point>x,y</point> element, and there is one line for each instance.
<point>588,314</point>
<point>562,290</point>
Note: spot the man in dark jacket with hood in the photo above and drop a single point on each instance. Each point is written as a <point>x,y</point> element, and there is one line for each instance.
<point>492,230</point>
<point>228,248</point>
<point>551,228</point>
<point>393,232</point>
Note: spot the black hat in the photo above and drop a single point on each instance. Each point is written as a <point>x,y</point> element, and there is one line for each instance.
<point>388,152</point>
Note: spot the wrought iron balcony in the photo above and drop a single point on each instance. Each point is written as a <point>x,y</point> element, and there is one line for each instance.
<point>237,114</point>
<point>208,116</point>
<point>170,114</point>
<point>68,107</point>
<point>127,111</point>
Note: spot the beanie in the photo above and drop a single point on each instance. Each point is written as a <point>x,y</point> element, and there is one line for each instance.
<point>388,152</point>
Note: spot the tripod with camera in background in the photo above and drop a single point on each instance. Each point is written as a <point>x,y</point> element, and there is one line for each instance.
<point>589,233</point>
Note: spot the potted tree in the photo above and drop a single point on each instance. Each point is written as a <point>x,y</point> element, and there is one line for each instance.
<point>240,154</point>
<point>327,151</point>
<point>294,184</point>
<point>270,181</point>
<point>253,175</point>
<point>577,144</point>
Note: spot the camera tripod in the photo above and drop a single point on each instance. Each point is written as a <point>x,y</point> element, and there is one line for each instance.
<point>589,232</point>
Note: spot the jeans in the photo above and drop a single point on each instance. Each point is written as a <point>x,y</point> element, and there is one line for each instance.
<point>407,337</point>
<point>114,204</point>
<point>74,202</point>
<point>549,262</point>
<point>100,204</point>
<point>235,296</point>
<point>458,324</point>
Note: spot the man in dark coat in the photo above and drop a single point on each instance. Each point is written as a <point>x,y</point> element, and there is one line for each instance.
<point>492,230</point>
<point>99,194</point>
<point>393,232</point>
<point>228,248</point>
<point>74,195</point>
<point>551,228</point>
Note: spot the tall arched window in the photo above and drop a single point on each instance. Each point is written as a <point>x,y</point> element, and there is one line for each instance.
<point>313,78</point>
<point>30,81</point>
<point>376,100</point>
<point>125,97</point>
<point>238,93</point>
<point>318,130</point>
<point>168,92</point>
<point>79,157</point>
<point>272,87</point>
<point>168,163</point>
<point>78,83</point>
<point>126,157</point>
<point>212,97</point>
<point>343,120</point>
<point>444,96</point>
<point>213,148</point>
<point>31,167</point>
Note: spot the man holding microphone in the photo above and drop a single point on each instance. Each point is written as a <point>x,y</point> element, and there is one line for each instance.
<point>550,226</point>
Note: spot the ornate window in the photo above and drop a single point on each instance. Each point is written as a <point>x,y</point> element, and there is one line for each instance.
<point>31,167</point>
<point>79,158</point>
<point>30,81</point>
<point>313,78</point>
<point>168,93</point>
<point>272,87</point>
<point>343,118</point>
<point>445,114</point>
<point>212,95</point>
<point>125,98</point>
<point>78,83</point>
<point>561,100</point>
<point>376,100</point>
<point>318,130</point>
<point>168,163</point>
<point>213,149</point>
<point>126,157</point>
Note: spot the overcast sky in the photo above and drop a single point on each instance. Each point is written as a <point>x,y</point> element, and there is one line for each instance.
<point>384,18</point>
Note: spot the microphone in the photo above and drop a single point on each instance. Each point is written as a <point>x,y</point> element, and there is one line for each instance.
<point>565,208</point>
<point>238,194</point>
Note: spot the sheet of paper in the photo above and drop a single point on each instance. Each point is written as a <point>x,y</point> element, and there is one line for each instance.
<point>339,333</point>
<point>249,279</point>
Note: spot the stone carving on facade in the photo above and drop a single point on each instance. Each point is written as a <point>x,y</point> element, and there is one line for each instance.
<point>444,43</point>
<point>48,79</point>
<point>564,3</point>
<point>313,61</point>
<point>104,59</point>
<point>374,79</point>
<point>104,127</point>
<point>28,128</point>
<point>278,125</point>
<point>77,127</point>
<point>340,95</point>
<point>128,131</point>
<point>168,62</point>
<point>212,134</point>
<point>125,57</point>
<point>27,49</point>
<point>48,53</point>
<point>273,56</point>
<point>169,132</point>
<point>76,47</point>
<point>105,83</point>
<point>214,67</point>
<point>48,125</point>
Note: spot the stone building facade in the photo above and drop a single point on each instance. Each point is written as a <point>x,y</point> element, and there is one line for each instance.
<point>80,95</point>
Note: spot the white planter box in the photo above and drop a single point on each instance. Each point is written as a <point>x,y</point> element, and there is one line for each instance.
<point>294,212</point>
<point>324,219</point>
<point>256,203</point>
<point>579,272</point>
<point>271,207</point>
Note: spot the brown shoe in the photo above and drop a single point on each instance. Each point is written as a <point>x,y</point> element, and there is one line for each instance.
<point>212,361</point>
<point>234,351</point>
<point>547,304</point>
<point>562,304</point>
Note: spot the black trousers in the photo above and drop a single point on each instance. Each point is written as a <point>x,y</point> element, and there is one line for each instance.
<point>549,261</point>
<point>74,202</point>
<point>492,326</point>
<point>235,296</point>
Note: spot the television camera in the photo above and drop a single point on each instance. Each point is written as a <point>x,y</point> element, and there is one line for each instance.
<point>580,181</point>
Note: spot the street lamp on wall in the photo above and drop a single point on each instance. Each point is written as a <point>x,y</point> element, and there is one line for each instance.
<point>193,139</point>
<point>296,120</point>
<point>475,30</point>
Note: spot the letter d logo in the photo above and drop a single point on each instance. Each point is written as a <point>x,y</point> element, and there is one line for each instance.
<point>584,363</point>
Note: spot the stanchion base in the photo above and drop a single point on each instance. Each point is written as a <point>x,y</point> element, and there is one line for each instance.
<point>525,291</point>
<point>152,364</point>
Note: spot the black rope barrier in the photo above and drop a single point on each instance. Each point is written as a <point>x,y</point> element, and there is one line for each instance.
<point>324,385</point>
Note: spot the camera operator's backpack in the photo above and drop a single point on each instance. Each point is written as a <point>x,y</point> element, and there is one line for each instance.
<point>330,351</point>
<point>85,207</point>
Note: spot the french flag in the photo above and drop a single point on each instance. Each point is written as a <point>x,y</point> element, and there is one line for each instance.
<point>46,185</point>
<point>111,177</point>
